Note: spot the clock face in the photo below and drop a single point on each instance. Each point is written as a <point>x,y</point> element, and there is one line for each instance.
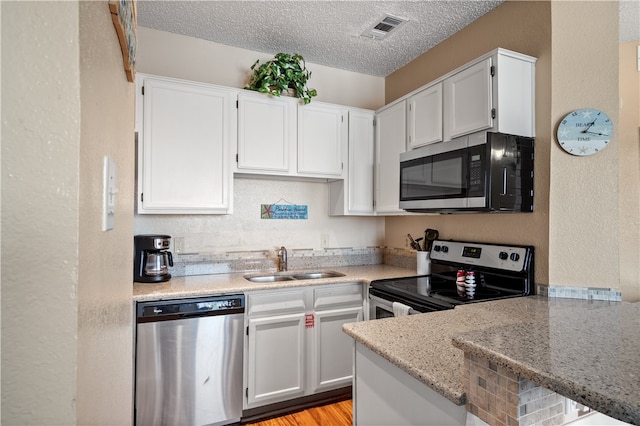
<point>585,132</point>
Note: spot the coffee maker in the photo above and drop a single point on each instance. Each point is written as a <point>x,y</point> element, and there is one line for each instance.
<point>152,258</point>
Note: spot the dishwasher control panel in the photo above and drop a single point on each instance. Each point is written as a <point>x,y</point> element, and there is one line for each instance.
<point>179,308</point>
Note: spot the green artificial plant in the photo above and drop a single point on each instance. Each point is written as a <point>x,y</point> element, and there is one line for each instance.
<point>280,74</point>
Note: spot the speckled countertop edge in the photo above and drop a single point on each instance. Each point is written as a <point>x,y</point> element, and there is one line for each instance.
<point>587,354</point>
<point>421,345</point>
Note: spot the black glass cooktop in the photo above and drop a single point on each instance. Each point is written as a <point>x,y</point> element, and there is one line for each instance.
<point>440,289</point>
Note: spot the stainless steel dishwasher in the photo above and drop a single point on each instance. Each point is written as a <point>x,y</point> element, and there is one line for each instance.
<point>189,361</point>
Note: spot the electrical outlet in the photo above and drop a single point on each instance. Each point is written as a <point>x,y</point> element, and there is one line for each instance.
<point>324,240</point>
<point>178,244</point>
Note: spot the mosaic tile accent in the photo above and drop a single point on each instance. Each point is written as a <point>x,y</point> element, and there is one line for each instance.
<point>586,293</point>
<point>500,398</point>
<point>267,260</point>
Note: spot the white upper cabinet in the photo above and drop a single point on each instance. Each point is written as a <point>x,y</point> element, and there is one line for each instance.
<point>390,142</point>
<point>280,136</point>
<point>354,194</point>
<point>468,100</point>
<point>424,117</point>
<point>185,132</point>
<point>266,133</point>
<point>496,92</point>
<point>322,136</point>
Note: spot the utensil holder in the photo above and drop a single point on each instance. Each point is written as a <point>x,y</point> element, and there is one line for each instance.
<point>423,262</point>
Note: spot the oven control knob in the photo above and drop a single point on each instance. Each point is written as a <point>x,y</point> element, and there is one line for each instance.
<point>503,255</point>
<point>445,249</point>
<point>436,248</point>
<point>515,257</point>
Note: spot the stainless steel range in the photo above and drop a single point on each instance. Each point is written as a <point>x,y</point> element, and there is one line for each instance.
<point>461,272</point>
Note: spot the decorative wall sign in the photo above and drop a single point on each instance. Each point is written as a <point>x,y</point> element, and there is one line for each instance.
<point>123,15</point>
<point>284,211</point>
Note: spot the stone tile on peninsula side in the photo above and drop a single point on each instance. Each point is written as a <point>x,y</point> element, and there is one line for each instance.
<point>588,352</point>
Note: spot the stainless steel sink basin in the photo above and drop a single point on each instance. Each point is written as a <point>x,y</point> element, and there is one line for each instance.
<point>268,278</point>
<point>316,275</point>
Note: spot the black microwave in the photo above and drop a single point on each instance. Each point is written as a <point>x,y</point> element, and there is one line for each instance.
<point>482,172</point>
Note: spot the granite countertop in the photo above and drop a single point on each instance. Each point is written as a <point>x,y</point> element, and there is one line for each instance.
<point>421,345</point>
<point>210,285</point>
<point>591,356</point>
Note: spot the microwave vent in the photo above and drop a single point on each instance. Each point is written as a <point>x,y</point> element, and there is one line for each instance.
<point>383,27</point>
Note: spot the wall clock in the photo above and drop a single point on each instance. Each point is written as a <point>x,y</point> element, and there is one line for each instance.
<point>585,131</point>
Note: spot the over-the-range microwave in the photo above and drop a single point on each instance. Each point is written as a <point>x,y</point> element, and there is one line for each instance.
<point>481,172</point>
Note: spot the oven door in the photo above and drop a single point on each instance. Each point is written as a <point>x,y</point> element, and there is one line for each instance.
<point>381,305</point>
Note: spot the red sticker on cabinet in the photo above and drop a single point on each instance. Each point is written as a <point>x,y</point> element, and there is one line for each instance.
<point>309,320</point>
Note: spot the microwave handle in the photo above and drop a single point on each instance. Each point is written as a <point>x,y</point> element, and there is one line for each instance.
<point>504,181</point>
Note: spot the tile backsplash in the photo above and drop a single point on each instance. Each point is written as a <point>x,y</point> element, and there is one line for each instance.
<point>267,260</point>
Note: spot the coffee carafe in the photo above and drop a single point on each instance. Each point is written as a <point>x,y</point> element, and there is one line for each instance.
<point>152,258</point>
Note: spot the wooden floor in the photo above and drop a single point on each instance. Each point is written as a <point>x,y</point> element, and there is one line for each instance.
<point>338,414</point>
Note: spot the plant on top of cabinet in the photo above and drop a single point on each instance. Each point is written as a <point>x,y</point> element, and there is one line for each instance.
<point>280,74</point>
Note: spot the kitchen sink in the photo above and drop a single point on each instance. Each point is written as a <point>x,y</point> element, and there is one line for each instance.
<point>270,278</point>
<point>316,275</point>
<point>290,276</point>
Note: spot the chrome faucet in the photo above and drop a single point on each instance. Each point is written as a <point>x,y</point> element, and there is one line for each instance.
<point>282,259</point>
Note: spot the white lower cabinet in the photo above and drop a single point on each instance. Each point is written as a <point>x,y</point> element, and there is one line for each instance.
<point>386,395</point>
<point>332,348</point>
<point>294,344</point>
<point>275,363</point>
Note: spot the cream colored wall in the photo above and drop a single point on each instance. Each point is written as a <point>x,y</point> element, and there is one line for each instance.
<point>66,286</point>
<point>40,154</point>
<point>172,55</point>
<point>583,212</point>
<point>629,171</point>
<point>105,318</point>
<point>575,224</point>
<point>523,27</point>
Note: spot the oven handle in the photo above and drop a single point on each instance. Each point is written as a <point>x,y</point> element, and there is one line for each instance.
<point>384,303</point>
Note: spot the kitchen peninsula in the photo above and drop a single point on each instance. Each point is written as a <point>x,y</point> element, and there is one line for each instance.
<point>587,351</point>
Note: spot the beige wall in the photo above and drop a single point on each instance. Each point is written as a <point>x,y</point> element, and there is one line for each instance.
<point>629,171</point>
<point>575,226</point>
<point>66,286</point>
<point>523,27</point>
<point>177,56</point>
<point>583,212</point>
<point>174,55</point>
<point>105,317</point>
<point>40,141</point>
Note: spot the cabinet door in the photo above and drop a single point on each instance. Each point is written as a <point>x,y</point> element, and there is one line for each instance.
<point>332,349</point>
<point>424,117</point>
<point>390,142</point>
<point>266,133</point>
<point>183,157</point>
<point>361,162</point>
<point>468,100</point>
<point>275,359</point>
<point>322,134</point>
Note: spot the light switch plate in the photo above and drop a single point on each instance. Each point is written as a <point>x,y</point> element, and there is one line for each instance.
<point>109,193</point>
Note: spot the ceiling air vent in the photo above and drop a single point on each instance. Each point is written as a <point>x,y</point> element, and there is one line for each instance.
<point>383,27</point>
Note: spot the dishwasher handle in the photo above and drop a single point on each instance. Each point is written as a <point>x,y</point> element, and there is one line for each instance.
<point>189,308</point>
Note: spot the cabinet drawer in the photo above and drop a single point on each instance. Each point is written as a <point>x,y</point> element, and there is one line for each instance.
<point>275,302</point>
<point>337,296</point>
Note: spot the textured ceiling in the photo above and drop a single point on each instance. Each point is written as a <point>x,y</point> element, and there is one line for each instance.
<point>328,32</point>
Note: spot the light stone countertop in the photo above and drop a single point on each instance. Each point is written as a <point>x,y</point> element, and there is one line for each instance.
<point>591,356</point>
<point>218,284</point>
<point>421,345</point>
